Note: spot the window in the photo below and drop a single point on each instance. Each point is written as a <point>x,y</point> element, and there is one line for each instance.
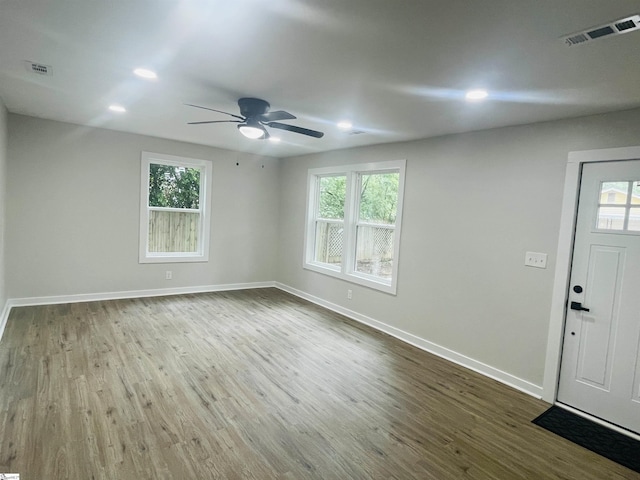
<point>174,216</point>
<point>619,206</point>
<point>353,222</point>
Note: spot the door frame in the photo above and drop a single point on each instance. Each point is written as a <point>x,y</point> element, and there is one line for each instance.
<point>564,255</point>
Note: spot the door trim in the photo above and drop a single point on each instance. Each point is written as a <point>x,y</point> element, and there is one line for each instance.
<point>563,257</point>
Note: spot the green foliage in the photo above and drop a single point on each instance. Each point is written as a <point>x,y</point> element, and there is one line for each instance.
<point>173,187</point>
<point>332,195</point>
<point>379,198</point>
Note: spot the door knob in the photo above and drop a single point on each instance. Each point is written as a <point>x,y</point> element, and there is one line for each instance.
<point>578,306</point>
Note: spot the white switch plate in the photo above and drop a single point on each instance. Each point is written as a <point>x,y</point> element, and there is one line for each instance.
<point>535,259</point>
<point>168,275</point>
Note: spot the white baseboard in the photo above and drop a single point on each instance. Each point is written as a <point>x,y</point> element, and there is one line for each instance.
<point>443,352</point>
<point>159,292</point>
<point>447,354</point>
<point>4,316</point>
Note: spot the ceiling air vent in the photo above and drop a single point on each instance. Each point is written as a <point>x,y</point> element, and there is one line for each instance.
<point>39,68</point>
<point>576,39</point>
<point>617,27</point>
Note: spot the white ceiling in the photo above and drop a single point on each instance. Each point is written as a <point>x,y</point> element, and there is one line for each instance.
<point>398,69</point>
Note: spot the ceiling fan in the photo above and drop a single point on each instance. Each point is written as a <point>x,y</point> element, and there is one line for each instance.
<point>255,116</point>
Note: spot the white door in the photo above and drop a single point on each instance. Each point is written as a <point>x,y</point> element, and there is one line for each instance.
<point>600,370</point>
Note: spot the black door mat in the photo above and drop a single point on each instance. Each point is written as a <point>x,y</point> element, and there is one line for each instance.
<point>601,440</point>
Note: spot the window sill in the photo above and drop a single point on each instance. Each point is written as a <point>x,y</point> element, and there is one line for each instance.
<point>364,280</point>
<point>174,259</point>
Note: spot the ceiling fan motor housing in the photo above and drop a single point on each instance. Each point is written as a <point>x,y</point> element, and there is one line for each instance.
<point>252,107</point>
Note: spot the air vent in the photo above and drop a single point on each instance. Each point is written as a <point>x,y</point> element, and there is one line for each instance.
<point>622,26</point>
<point>39,68</point>
<point>617,27</point>
<point>577,39</point>
<point>601,32</point>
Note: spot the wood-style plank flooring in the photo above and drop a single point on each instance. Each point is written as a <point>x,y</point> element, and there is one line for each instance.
<point>255,384</point>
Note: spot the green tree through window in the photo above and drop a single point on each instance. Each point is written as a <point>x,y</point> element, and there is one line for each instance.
<point>353,222</point>
<point>332,195</point>
<point>379,197</point>
<point>174,187</point>
<point>174,214</point>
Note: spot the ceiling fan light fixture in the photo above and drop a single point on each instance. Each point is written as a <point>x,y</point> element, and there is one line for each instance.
<point>252,131</point>
<point>255,117</point>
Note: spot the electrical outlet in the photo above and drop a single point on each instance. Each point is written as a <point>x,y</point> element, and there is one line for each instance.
<point>168,275</point>
<point>349,294</point>
<point>535,259</point>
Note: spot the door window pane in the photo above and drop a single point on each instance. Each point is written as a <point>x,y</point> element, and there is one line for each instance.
<point>611,218</point>
<point>614,193</point>
<point>635,194</point>
<point>634,220</point>
<point>625,217</point>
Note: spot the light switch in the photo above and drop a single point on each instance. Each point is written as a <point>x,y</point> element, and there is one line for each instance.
<point>535,259</point>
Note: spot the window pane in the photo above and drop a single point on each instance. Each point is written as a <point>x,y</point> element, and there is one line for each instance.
<point>174,187</point>
<point>379,197</point>
<point>614,192</point>
<point>331,197</point>
<point>329,242</point>
<point>611,218</point>
<point>634,220</point>
<point>374,254</point>
<point>173,231</point>
<point>635,194</point>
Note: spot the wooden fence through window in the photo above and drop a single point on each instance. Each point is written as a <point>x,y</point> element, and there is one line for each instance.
<point>173,231</point>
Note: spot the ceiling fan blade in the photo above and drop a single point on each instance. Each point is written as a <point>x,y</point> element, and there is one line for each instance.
<point>214,110</point>
<point>215,121</point>
<point>277,115</point>
<point>293,128</point>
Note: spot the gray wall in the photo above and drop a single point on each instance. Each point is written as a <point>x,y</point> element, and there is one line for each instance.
<point>3,197</point>
<point>474,204</point>
<point>73,213</point>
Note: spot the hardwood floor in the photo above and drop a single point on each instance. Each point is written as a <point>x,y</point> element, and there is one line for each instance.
<point>255,384</point>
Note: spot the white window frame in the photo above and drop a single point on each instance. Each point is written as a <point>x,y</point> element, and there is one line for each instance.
<point>346,271</point>
<point>627,206</point>
<point>205,167</point>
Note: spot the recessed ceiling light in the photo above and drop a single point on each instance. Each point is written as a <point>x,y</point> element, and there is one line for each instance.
<point>117,108</point>
<point>345,125</point>
<point>145,73</point>
<point>475,95</point>
<point>274,139</point>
